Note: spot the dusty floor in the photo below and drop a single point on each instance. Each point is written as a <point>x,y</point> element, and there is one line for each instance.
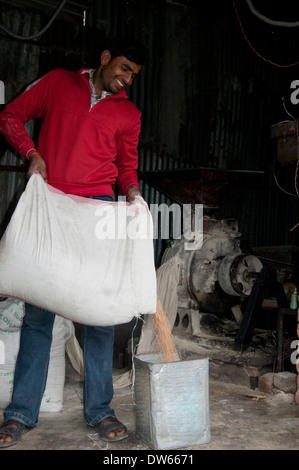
<point>240,419</point>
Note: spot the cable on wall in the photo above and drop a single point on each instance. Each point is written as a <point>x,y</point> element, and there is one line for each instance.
<point>34,36</point>
<point>285,24</point>
<point>251,46</point>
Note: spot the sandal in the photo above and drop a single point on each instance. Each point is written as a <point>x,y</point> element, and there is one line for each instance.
<point>104,429</point>
<point>15,433</point>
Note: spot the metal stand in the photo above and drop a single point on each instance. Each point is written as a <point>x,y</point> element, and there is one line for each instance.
<point>265,280</point>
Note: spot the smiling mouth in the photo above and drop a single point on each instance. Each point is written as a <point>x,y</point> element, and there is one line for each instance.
<point>120,83</point>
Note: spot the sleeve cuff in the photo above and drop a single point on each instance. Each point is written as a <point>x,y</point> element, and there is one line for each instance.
<point>30,152</point>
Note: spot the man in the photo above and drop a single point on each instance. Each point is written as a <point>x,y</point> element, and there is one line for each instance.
<point>87,142</point>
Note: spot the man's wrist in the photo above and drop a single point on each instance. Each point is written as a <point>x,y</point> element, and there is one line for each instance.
<point>32,153</point>
<point>133,187</point>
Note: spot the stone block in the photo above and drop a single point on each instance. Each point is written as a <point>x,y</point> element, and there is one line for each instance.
<point>266,382</point>
<point>285,381</point>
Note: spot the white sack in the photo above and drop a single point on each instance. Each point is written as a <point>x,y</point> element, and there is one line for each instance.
<point>63,332</point>
<point>90,261</point>
<point>11,318</point>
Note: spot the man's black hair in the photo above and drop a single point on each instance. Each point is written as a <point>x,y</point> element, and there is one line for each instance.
<point>127,47</point>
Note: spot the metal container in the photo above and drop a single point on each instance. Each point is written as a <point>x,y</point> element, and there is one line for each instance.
<point>286,141</point>
<point>172,401</point>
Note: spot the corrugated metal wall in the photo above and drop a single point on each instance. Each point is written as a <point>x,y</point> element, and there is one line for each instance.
<point>19,65</point>
<point>206,99</point>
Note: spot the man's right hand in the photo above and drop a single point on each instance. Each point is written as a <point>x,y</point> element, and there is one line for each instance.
<point>37,165</point>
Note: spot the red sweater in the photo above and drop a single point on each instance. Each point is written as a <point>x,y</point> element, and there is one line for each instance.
<point>86,149</point>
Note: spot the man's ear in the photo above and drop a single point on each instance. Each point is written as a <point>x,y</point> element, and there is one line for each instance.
<point>105,57</point>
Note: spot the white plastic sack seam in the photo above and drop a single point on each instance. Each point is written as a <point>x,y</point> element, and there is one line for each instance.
<point>88,260</point>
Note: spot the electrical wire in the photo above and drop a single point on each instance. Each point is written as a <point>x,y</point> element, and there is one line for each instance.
<point>251,46</point>
<point>34,36</point>
<point>297,165</point>
<point>297,134</point>
<point>285,24</point>
<point>277,183</point>
<point>284,356</point>
<point>296,121</point>
<point>296,172</point>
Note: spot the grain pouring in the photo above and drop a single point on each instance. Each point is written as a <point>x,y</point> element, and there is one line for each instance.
<point>166,344</point>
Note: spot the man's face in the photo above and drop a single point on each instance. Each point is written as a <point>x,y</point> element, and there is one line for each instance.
<point>116,74</point>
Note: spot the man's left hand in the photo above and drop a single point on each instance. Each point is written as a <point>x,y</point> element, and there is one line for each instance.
<point>132,192</point>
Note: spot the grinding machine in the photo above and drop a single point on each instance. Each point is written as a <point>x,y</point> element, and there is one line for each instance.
<point>215,278</point>
<point>212,279</point>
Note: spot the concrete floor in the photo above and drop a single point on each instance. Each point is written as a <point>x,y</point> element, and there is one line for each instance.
<point>240,419</point>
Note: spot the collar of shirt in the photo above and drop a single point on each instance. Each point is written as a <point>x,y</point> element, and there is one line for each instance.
<point>94,99</point>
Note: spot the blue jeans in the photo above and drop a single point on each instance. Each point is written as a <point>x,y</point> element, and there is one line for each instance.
<point>32,367</point>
